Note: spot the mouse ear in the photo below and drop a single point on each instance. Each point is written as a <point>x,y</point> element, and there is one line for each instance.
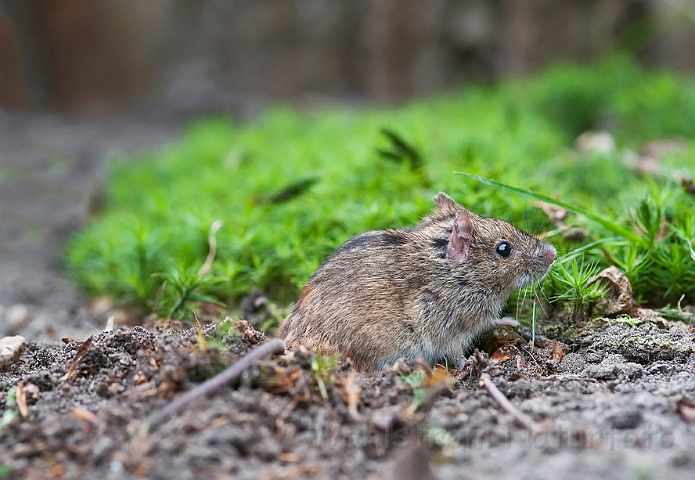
<point>459,245</point>
<point>445,202</point>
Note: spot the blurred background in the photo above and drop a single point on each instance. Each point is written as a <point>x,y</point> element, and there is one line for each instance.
<point>81,79</point>
<point>183,56</point>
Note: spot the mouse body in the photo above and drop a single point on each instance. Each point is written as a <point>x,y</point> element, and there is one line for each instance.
<point>426,291</point>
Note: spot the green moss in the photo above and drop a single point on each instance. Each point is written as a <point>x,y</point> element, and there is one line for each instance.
<point>289,188</point>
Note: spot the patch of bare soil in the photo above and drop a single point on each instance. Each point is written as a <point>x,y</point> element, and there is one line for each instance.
<point>52,179</point>
<point>611,400</point>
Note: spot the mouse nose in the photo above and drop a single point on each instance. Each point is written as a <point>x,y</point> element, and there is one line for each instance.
<point>550,256</point>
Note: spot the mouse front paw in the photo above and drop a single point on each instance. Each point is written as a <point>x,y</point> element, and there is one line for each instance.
<point>455,361</point>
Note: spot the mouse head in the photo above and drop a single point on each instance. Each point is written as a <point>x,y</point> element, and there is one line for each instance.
<point>503,257</point>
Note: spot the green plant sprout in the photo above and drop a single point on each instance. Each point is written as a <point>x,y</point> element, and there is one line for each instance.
<point>11,412</point>
<point>416,380</point>
<point>322,367</point>
<point>576,283</point>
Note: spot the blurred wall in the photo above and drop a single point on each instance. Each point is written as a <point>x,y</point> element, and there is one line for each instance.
<point>188,54</point>
<point>11,87</point>
<point>86,53</point>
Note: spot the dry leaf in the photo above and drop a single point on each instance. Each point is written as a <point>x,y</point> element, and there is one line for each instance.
<point>620,292</point>
<point>558,354</point>
<point>502,354</point>
<point>437,376</point>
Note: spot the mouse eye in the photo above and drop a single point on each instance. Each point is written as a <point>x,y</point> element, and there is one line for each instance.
<point>503,249</point>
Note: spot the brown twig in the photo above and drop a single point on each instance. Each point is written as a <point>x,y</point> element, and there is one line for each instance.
<point>569,378</point>
<point>212,241</point>
<point>21,400</point>
<point>352,394</point>
<point>275,346</point>
<point>81,352</point>
<point>523,419</point>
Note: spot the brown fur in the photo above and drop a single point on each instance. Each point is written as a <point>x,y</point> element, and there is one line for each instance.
<point>389,294</point>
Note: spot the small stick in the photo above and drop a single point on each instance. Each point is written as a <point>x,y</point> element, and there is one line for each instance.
<point>273,346</point>
<point>523,419</point>
<point>212,241</point>
<point>680,310</point>
<point>569,378</point>
<point>21,400</point>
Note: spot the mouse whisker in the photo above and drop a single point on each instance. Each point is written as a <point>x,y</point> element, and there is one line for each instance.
<point>540,304</point>
<point>523,301</point>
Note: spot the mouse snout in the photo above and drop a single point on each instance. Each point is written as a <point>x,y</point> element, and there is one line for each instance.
<point>546,254</point>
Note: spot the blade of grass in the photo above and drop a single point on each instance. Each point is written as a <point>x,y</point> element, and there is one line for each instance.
<point>615,241</point>
<point>625,232</point>
<point>533,323</point>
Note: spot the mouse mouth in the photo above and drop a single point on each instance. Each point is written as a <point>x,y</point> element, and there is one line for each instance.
<point>525,280</point>
<point>542,257</point>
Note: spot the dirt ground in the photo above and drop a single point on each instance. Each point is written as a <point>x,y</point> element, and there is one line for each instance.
<point>617,405</point>
<point>608,398</point>
<point>50,166</point>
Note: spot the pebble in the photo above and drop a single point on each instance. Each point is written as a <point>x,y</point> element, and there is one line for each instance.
<point>17,316</point>
<point>625,419</point>
<point>10,348</point>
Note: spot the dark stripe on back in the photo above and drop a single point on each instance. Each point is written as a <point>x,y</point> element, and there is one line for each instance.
<point>360,241</point>
<point>374,239</point>
<point>394,237</point>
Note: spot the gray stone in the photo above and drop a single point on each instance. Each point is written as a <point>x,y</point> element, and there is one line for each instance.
<point>10,348</point>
